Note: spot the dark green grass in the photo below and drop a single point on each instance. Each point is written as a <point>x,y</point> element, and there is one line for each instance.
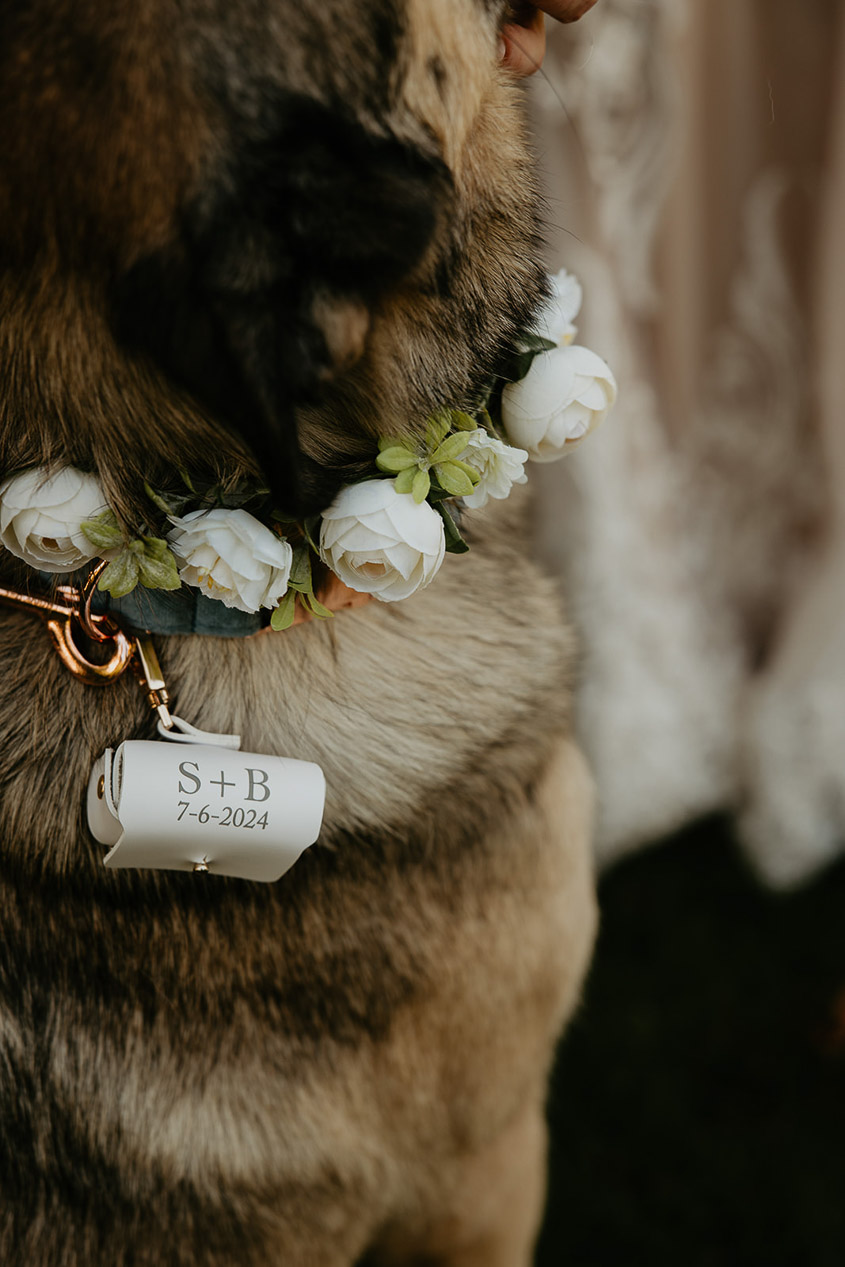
<point>698,1104</point>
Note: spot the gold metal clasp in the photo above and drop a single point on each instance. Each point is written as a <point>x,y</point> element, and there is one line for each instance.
<point>70,612</point>
<point>148,672</point>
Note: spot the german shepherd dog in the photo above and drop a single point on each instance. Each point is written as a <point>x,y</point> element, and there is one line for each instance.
<point>247,236</point>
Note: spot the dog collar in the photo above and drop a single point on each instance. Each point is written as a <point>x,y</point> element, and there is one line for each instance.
<point>125,638</point>
<point>189,612</point>
<point>184,611</point>
<point>383,536</point>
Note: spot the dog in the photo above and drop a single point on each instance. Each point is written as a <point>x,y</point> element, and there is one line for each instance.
<point>250,239</point>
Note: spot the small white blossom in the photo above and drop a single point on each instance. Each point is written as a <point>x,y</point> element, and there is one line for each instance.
<point>564,396</point>
<point>382,542</point>
<point>556,319</point>
<point>500,466</point>
<point>41,517</point>
<point>230,556</point>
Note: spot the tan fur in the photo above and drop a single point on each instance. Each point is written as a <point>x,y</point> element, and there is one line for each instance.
<point>450,37</point>
<point>352,1061</point>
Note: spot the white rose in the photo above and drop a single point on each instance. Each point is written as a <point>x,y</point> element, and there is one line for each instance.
<point>564,396</point>
<point>499,465</point>
<point>41,517</point>
<point>555,320</point>
<point>382,542</point>
<point>230,556</point>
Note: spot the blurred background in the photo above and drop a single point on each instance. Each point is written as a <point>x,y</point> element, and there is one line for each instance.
<point>694,157</point>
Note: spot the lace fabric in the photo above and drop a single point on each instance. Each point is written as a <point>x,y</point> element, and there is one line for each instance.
<point>695,181</point>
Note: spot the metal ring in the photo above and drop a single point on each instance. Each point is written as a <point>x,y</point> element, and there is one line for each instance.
<point>86,670</point>
<point>99,626</point>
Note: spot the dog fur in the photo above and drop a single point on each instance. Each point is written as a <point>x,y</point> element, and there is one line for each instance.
<point>266,233</point>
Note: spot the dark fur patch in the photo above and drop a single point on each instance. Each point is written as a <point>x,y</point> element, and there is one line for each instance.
<point>438,72</point>
<point>310,202</point>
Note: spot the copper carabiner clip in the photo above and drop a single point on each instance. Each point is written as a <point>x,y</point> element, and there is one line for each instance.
<point>71,612</point>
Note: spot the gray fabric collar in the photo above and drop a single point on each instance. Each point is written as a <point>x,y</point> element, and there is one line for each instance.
<point>183,611</point>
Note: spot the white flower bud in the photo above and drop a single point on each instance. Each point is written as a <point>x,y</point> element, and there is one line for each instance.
<point>230,556</point>
<point>556,318</point>
<point>563,397</point>
<point>41,517</point>
<point>500,466</point>
<point>382,542</point>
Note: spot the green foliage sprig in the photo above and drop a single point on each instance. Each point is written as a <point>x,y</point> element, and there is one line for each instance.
<point>429,468</point>
<point>143,559</point>
<point>300,589</point>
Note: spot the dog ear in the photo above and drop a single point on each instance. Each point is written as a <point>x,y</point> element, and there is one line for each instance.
<point>266,294</point>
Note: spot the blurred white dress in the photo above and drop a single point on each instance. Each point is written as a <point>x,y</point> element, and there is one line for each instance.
<point>695,160</point>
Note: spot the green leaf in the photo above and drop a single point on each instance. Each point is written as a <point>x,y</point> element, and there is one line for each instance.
<point>157,566</point>
<point>437,428</point>
<point>311,528</point>
<point>155,548</point>
<point>283,615</point>
<point>436,494</point>
<point>103,531</point>
<point>454,479</point>
<point>531,342</point>
<point>473,473</point>
<point>121,575</point>
<point>420,486</point>
<point>395,459</point>
<point>158,500</point>
<point>321,612</point>
<point>451,448</point>
<point>300,571</point>
<point>404,481</point>
<point>236,498</point>
<point>519,366</point>
<point>455,543</point>
<point>463,421</point>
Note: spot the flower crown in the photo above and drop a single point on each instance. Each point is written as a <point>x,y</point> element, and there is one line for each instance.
<point>385,536</point>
